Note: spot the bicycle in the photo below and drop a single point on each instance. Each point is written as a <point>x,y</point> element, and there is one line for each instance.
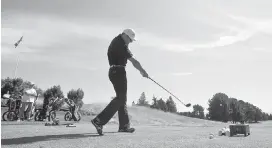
<point>13,109</point>
<point>69,112</point>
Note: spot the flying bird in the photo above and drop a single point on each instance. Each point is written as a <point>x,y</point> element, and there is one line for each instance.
<point>17,43</point>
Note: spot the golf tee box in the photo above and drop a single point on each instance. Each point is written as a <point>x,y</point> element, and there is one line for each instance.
<point>239,129</point>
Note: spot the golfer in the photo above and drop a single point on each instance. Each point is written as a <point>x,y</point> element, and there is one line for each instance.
<point>118,54</point>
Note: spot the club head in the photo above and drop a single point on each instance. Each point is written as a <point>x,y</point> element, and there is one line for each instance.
<point>188,105</point>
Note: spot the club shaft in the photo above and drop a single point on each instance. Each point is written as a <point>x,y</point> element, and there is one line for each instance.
<point>166,90</point>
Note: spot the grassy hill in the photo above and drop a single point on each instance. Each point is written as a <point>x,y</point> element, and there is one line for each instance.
<point>147,116</point>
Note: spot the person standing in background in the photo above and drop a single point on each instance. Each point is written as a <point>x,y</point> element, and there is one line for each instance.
<point>29,97</point>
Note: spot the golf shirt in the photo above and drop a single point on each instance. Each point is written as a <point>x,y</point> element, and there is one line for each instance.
<point>118,52</point>
<point>29,98</point>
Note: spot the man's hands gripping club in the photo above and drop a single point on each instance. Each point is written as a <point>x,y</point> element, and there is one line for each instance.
<point>138,66</point>
<point>144,74</point>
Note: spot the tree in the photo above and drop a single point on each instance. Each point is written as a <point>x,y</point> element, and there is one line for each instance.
<point>218,107</point>
<point>265,116</point>
<point>234,110</point>
<point>16,86</point>
<point>27,84</point>
<point>251,113</point>
<point>207,116</point>
<point>155,103</point>
<point>270,117</point>
<point>198,111</point>
<point>258,115</point>
<point>53,92</point>
<point>242,110</point>
<point>187,114</point>
<point>171,105</point>
<point>142,100</point>
<point>162,105</point>
<point>76,96</point>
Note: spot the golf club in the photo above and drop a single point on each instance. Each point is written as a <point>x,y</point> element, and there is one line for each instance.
<point>187,105</point>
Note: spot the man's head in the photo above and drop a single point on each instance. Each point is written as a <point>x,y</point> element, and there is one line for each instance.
<point>128,35</point>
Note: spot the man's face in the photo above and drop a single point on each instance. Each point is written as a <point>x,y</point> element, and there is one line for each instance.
<point>127,39</point>
<point>130,40</point>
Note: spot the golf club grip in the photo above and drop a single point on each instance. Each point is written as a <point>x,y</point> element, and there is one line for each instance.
<point>166,90</point>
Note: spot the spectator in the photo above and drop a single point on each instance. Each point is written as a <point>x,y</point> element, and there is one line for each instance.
<point>6,96</point>
<point>5,100</point>
<point>29,97</point>
<point>34,105</point>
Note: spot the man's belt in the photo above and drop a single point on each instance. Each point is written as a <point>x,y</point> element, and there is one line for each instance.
<point>117,66</point>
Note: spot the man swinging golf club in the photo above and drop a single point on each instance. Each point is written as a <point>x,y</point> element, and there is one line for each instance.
<point>118,54</point>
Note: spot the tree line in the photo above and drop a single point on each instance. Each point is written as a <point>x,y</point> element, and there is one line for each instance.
<point>16,87</point>
<point>224,108</point>
<point>221,108</point>
<point>169,106</point>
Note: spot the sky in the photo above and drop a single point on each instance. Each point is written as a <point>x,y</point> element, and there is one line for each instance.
<point>195,49</point>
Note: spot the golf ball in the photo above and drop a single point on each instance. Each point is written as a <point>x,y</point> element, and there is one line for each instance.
<point>211,136</point>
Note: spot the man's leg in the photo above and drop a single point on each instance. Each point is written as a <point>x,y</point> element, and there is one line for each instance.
<point>117,77</point>
<point>29,109</point>
<point>32,110</point>
<point>124,124</point>
<point>109,111</point>
<point>22,110</point>
<point>103,118</point>
<point>123,117</point>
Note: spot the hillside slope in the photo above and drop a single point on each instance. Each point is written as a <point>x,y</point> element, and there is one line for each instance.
<point>146,116</point>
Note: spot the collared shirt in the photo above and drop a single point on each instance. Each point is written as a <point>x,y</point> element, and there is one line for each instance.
<point>118,52</point>
<point>28,96</point>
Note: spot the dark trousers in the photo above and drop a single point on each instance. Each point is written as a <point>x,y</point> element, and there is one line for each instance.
<point>117,76</point>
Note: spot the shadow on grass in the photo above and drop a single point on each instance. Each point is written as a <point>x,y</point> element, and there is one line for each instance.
<point>26,140</point>
<point>239,135</point>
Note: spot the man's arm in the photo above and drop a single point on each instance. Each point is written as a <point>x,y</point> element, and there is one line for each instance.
<point>138,66</point>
